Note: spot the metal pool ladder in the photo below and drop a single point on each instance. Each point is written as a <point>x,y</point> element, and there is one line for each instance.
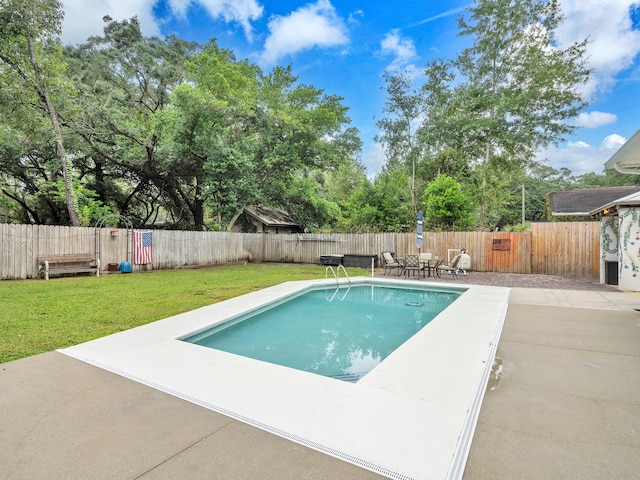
<point>336,275</point>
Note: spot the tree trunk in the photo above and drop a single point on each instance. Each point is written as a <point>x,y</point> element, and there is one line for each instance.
<point>64,160</point>
<point>483,203</point>
<point>233,220</point>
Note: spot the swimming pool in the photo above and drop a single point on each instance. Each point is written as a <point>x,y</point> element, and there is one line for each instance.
<point>339,332</point>
<point>411,418</point>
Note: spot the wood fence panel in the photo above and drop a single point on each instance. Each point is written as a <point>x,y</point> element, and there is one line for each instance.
<point>10,241</point>
<point>474,243</point>
<point>540,250</point>
<point>386,242</point>
<point>477,252</point>
<point>11,257</point>
<point>566,248</point>
<point>508,252</point>
<point>589,251</point>
<point>6,244</point>
<point>544,255</point>
<point>24,253</point>
<point>253,245</point>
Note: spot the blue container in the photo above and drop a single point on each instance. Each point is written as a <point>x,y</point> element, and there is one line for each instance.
<point>125,267</point>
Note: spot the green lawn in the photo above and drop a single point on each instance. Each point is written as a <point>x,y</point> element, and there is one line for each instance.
<point>39,316</point>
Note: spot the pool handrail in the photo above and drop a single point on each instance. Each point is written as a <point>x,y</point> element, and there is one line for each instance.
<point>336,276</point>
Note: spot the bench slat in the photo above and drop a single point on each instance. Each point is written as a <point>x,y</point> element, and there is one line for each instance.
<point>66,257</point>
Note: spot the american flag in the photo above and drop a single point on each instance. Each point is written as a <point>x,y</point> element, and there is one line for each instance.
<point>142,247</point>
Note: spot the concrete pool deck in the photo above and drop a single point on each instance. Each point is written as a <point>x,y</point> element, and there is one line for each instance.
<point>410,418</point>
<point>566,406</point>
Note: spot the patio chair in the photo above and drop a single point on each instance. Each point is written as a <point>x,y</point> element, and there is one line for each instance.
<point>389,262</point>
<point>412,264</point>
<point>451,268</point>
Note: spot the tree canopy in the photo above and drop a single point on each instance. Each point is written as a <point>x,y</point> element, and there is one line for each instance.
<point>166,132</point>
<point>176,134</point>
<point>483,116</point>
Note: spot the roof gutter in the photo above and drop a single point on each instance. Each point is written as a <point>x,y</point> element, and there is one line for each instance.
<point>626,170</point>
<point>627,159</point>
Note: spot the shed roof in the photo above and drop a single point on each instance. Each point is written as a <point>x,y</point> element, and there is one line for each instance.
<point>582,202</point>
<point>272,217</point>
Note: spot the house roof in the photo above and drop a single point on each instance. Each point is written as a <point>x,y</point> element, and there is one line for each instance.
<point>582,202</point>
<point>611,208</point>
<point>627,158</point>
<point>272,217</point>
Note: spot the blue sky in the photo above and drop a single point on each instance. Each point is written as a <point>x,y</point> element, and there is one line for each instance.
<point>345,47</point>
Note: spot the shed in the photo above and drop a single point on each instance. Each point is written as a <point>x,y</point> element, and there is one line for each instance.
<point>581,202</point>
<point>255,218</point>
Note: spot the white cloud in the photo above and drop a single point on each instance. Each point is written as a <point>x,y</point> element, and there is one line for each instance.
<point>402,49</point>
<point>240,11</point>
<point>614,44</point>
<point>355,15</point>
<point>83,18</point>
<point>595,119</point>
<point>580,157</point>
<point>313,25</point>
<point>613,142</point>
<point>179,7</point>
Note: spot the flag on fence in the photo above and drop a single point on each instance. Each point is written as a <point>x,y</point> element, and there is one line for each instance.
<point>142,247</point>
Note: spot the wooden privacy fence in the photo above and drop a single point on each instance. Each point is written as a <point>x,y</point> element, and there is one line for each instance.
<point>568,249</point>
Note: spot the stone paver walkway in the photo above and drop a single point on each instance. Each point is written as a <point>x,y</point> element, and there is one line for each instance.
<point>522,281</point>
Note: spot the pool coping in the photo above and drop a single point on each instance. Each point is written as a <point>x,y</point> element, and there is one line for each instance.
<point>412,417</point>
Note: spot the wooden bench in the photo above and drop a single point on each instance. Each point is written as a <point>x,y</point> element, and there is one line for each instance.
<point>68,263</point>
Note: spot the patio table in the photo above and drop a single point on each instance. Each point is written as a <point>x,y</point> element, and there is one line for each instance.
<point>432,265</point>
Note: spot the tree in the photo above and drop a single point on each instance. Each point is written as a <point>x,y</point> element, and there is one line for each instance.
<point>400,130</point>
<point>309,203</point>
<point>206,144</point>
<point>381,206</point>
<point>610,178</point>
<point>125,82</point>
<point>539,182</point>
<point>259,138</point>
<point>29,54</point>
<point>520,87</point>
<point>446,206</point>
<point>304,131</point>
<point>438,133</point>
<point>486,113</point>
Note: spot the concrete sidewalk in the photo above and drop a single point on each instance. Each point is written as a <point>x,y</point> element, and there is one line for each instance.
<point>566,406</point>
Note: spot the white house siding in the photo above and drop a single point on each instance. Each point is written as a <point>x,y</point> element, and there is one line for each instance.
<point>609,239</point>
<point>629,249</point>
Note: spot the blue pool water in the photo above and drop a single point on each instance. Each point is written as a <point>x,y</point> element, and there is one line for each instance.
<point>336,332</point>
